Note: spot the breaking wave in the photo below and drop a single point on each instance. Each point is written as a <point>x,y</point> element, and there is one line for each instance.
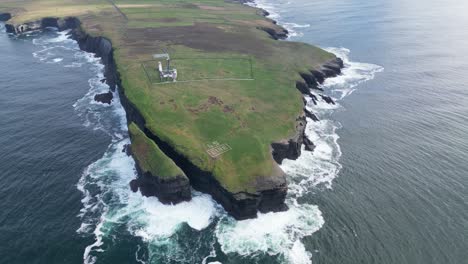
<point>163,233</point>
<point>53,43</point>
<point>108,202</point>
<point>274,13</point>
<point>322,165</point>
<point>282,233</point>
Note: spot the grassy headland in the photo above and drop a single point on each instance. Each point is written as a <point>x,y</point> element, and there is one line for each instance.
<point>237,83</point>
<point>150,158</point>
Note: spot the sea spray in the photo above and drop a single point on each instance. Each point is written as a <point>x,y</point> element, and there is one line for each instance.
<point>108,202</point>
<point>322,165</point>
<point>282,233</point>
<point>163,233</point>
<point>274,13</point>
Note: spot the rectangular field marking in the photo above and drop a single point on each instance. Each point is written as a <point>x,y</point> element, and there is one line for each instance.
<point>215,149</point>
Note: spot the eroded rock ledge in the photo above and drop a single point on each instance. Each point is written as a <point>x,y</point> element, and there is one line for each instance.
<point>291,148</point>
<point>270,191</point>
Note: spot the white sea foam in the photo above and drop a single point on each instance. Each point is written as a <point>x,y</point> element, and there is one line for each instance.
<point>268,6</point>
<point>322,165</point>
<point>275,13</point>
<point>271,233</point>
<point>87,257</point>
<point>352,75</point>
<point>196,213</point>
<point>281,233</point>
<point>57,60</point>
<point>74,65</point>
<point>299,255</point>
<point>62,37</point>
<point>108,201</point>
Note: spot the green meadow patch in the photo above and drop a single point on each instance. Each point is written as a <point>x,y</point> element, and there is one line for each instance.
<point>198,69</point>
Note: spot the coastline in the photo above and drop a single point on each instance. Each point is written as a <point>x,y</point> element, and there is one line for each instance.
<point>240,205</point>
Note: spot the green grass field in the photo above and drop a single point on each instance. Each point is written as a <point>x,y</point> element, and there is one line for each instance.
<point>246,115</point>
<point>149,157</point>
<point>198,69</point>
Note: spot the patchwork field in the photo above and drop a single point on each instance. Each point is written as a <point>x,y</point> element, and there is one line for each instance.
<point>236,84</point>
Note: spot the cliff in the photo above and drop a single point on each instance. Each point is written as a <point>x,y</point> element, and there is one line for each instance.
<point>291,148</point>
<point>260,184</point>
<point>159,175</point>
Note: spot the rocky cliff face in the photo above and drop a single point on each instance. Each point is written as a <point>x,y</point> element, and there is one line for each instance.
<point>291,148</point>
<point>171,190</point>
<point>276,33</point>
<point>270,191</point>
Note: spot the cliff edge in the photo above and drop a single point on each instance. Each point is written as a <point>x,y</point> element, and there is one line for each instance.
<point>235,95</point>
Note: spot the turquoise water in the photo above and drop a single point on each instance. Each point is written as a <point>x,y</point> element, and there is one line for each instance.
<point>387,182</point>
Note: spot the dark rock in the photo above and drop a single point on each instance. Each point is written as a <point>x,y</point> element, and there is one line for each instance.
<point>263,12</point>
<point>327,99</point>
<point>105,98</point>
<point>308,144</point>
<point>327,72</point>
<point>313,98</point>
<point>5,16</point>
<point>303,88</point>
<point>280,33</point>
<point>127,150</point>
<point>69,23</point>
<point>101,46</point>
<point>309,79</point>
<point>168,190</point>
<point>310,115</point>
<point>10,29</point>
<point>49,22</point>
<point>335,65</point>
<point>318,76</point>
<point>291,148</point>
<point>134,185</point>
<point>103,80</point>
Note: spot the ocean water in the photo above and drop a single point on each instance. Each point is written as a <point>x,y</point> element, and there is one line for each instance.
<point>387,182</point>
